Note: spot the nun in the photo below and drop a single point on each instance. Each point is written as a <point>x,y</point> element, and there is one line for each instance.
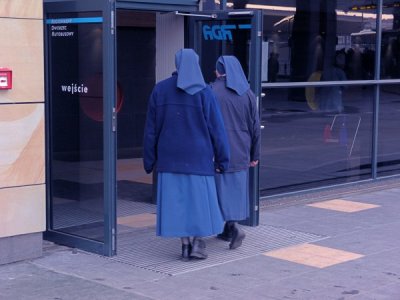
<point>239,110</point>
<point>185,142</point>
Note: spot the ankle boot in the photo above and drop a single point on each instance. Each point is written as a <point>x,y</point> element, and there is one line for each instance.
<point>186,249</point>
<point>226,235</point>
<point>199,249</point>
<point>237,237</point>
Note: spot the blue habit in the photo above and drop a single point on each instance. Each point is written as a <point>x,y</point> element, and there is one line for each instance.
<point>233,195</point>
<point>187,205</point>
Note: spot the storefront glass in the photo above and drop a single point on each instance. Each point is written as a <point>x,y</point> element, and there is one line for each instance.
<point>389,124</point>
<point>390,46</point>
<point>302,148</point>
<point>76,135</point>
<point>319,132</point>
<point>308,40</point>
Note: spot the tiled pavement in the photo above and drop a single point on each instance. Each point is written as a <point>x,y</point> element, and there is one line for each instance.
<point>359,259</point>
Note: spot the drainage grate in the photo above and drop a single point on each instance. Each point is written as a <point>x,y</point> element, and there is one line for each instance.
<point>141,248</point>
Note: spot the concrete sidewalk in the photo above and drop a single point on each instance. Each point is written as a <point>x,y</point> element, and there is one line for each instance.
<point>357,257</point>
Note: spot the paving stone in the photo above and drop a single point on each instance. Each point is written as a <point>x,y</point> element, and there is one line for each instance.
<point>62,274</point>
<point>368,241</point>
<point>28,282</point>
<point>92,267</point>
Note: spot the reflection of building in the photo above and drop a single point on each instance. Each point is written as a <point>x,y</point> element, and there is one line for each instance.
<point>308,35</point>
<point>348,36</point>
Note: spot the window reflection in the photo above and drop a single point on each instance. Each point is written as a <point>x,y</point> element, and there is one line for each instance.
<point>302,148</point>
<point>304,38</point>
<point>390,46</point>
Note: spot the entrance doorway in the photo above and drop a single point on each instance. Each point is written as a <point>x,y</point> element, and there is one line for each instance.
<point>102,62</point>
<point>144,57</point>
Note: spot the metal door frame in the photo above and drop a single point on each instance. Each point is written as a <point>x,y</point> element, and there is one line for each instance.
<point>108,247</point>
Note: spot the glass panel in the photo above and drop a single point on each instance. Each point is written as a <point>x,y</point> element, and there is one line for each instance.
<point>390,53</point>
<point>136,33</point>
<point>234,36</point>
<point>230,37</point>
<point>76,123</point>
<point>303,149</point>
<point>309,40</point>
<point>389,124</point>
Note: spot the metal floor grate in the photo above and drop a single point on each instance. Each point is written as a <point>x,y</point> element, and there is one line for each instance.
<point>142,248</point>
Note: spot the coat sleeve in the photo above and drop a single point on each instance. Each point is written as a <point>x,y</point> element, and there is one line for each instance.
<point>217,131</point>
<point>254,128</point>
<point>150,136</point>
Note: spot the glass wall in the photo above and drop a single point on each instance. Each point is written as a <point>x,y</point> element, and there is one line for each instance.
<point>303,148</point>
<point>390,46</point>
<point>324,79</point>
<point>76,177</point>
<point>317,41</point>
<point>389,95</point>
<point>389,124</point>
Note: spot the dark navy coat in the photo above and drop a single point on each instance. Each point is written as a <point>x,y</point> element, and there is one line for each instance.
<point>184,133</point>
<point>241,123</point>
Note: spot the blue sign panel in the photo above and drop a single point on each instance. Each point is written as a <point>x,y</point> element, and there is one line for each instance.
<point>222,32</point>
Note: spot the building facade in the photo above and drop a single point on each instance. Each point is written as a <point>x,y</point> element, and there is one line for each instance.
<point>329,73</point>
<point>22,144</point>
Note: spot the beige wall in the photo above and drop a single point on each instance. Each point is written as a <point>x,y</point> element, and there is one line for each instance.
<point>22,163</point>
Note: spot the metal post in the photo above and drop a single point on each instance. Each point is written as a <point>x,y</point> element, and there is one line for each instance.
<point>375,140</point>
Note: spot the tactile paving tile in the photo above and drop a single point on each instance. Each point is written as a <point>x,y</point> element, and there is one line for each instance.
<point>314,255</point>
<point>343,205</point>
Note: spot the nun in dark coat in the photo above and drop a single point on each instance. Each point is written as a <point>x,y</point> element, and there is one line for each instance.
<point>240,114</point>
<point>185,142</point>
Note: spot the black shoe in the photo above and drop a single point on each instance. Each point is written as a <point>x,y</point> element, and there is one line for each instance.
<point>237,238</point>
<point>226,235</point>
<point>186,249</point>
<point>199,249</point>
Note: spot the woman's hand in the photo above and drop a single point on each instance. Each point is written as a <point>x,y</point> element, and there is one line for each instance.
<point>253,163</point>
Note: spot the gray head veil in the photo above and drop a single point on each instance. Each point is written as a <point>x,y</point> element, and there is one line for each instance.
<point>190,78</point>
<point>235,78</point>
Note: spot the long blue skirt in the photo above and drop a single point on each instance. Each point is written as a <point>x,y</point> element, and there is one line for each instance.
<point>233,195</point>
<point>187,205</point>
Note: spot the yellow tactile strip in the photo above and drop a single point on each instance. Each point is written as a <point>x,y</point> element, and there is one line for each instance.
<point>313,255</point>
<point>138,221</point>
<point>343,205</point>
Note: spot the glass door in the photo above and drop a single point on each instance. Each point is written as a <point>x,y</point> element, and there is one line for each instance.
<point>80,105</point>
<point>238,33</point>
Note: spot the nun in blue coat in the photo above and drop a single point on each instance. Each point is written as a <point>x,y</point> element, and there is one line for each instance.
<point>241,119</point>
<point>186,143</point>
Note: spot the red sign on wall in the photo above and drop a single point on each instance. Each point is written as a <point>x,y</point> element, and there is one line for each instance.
<point>5,79</point>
